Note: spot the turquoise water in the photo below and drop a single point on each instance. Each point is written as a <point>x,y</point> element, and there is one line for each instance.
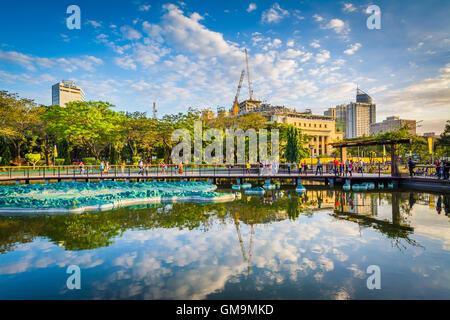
<point>280,246</point>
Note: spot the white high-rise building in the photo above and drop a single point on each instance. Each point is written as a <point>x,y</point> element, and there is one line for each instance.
<point>66,91</point>
<point>360,115</point>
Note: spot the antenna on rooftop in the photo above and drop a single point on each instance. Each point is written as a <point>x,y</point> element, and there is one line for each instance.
<point>154,110</point>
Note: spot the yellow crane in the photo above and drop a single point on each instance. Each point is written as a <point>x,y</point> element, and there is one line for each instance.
<point>236,103</point>
<point>250,91</point>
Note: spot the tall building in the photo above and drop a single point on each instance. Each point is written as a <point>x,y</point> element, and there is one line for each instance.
<point>66,91</point>
<point>339,113</point>
<point>392,124</point>
<point>360,115</point>
<point>331,112</point>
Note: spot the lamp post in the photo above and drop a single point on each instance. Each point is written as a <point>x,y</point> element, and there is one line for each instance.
<point>311,147</point>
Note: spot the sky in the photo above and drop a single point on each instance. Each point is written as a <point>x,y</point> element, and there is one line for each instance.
<point>302,54</point>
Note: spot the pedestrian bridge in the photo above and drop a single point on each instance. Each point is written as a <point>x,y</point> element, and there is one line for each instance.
<point>229,174</point>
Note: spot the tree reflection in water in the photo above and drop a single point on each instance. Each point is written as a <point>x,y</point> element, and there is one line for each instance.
<point>94,230</point>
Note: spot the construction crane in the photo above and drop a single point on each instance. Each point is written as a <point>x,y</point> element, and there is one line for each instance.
<point>248,77</point>
<point>236,103</point>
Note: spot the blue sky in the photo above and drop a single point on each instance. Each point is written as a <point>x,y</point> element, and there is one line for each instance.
<point>302,54</point>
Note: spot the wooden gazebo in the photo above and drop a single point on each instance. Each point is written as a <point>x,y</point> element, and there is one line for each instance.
<point>343,145</point>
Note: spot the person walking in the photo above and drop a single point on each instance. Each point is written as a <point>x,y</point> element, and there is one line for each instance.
<point>163,167</point>
<point>102,166</point>
<point>336,165</point>
<point>248,167</point>
<point>180,168</point>
<point>81,167</point>
<point>437,165</point>
<point>411,166</point>
<point>122,167</point>
<point>141,166</point>
<point>446,169</point>
<point>347,164</point>
<point>319,168</point>
<point>289,167</point>
<point>350,167</point>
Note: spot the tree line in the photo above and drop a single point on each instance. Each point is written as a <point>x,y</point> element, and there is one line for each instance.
<point>92,131</point>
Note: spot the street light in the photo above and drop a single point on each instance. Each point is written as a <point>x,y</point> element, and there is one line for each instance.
<point>311,147</point>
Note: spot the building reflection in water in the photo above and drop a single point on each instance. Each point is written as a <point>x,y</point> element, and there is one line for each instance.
<point>95,230</point>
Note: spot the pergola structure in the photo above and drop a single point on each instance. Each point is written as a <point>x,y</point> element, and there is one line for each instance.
<point>343,145</point>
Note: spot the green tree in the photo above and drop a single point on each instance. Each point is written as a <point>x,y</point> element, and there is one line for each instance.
<point>443,142</point>
<point>91,125</point>
<point>33,158</point>
<point>295,145</point>
<point>19,119</point>
<point>5,153</point>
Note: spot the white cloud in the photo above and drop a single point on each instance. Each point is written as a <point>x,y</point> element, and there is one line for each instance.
<point>353,48</point>
<point>290,43</point>
<point>275,14</point>
<point>186,33</point>
<point>29,62</point>
<point>19,58</point>
<point>94,23</point>
<point>251,7</point>
<point>125,62</point>
<point>318,18</point>
<point>153,30</point>
<point>348,7</point>
<point>322,56</point>
<point>315,44</point>
<point>277,43</point>
<point>291,53</point>
<point>129,33</point>
<point>336,24</point>
<point>144,7</point>
<point>431,92</point>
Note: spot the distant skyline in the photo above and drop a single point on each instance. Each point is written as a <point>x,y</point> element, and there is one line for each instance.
<point>302,54</point>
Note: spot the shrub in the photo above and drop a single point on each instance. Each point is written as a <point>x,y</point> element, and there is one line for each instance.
<point>90,161</point>
<point>59,161</point>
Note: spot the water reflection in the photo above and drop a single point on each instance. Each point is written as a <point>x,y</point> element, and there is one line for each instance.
<point>281,245</point>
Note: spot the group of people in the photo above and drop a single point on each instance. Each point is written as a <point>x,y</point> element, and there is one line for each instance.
<point>302,167</point>
<point>266,167</point>
<point>442,168</point>
<point>342,168</point>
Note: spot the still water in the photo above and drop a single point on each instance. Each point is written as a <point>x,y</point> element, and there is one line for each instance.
<point>280,246</point>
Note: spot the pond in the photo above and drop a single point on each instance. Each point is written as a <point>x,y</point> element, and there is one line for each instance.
<point>318,245</point>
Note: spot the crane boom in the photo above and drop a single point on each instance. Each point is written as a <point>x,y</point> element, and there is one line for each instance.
<point>248,76</point>
<point>236,103</point>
